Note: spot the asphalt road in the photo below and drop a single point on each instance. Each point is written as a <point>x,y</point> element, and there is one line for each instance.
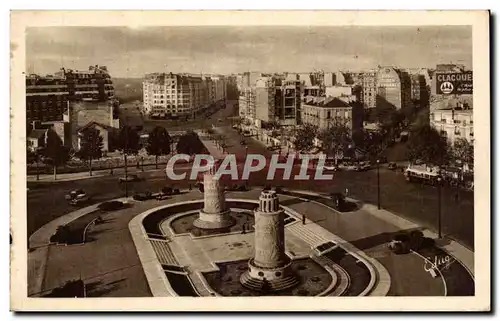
<point>418,203</point>
<point>130,115</point>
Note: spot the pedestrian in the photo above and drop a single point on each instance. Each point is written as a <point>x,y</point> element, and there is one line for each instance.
<point>243,230</point>
<point>346,192</point>
<point>190,187</point>
<point>303,219</point>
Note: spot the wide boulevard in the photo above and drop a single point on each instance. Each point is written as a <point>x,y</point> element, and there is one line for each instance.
<point>418,203</point>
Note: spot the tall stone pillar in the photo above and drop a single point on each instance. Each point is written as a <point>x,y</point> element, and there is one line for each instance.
<point>215,214</point>
<point>270,268</point>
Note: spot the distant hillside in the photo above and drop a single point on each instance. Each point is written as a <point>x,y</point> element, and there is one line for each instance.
<point>128,89</point>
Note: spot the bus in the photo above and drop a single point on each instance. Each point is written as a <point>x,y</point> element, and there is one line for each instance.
<point>422,174</point>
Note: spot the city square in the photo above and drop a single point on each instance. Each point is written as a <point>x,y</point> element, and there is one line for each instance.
<point>262,177</point>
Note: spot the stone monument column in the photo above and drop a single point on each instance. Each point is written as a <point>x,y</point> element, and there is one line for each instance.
<point>270,268</point>
<point>215,214</point>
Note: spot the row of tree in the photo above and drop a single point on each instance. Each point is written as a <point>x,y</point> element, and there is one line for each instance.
<point>127,141</point>
<point>428,145</point>
<point>425,143</point>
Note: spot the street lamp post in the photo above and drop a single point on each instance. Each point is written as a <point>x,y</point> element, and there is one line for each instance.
<point>126,169</point>
<point>378,183</point>
<point>439,207</point>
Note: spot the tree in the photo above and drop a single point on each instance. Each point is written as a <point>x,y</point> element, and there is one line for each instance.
<point>372,142</point>
<point>426,143</point>
<point>91,144</point>
<point>54,152</point>
<point>158,143</point>
<point>334,139</point>
<point>304,137</point>
<point>33,157</point>
<point>190,144</point>
<point>463,151</point>
<point>128,142</point>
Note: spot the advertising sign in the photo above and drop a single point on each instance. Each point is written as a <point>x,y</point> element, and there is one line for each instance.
<point>457,83</point>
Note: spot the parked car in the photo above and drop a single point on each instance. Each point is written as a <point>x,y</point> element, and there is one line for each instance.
<point>143,196</point>
<point>363,166</point>
<point>237,188</point>
<point>130,178</point>
<point>392,166</point>
<point>348,167</point>
<point>402,243</point>
<point>77,197</point>
<point>382,159</point>
<point>330,166</point>
<point>111,206</point>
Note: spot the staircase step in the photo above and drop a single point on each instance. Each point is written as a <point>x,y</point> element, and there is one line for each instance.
<point>163,252</point>
<point>343,281</point>
<point>307,235</point>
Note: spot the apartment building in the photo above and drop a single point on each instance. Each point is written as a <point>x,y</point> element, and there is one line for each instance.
<point>48,97</point>
<point>265,99</point>
<point>393,88</point>
<point>326,112</point>
<point>333,79</point>
<point>288,102</point>
<point>174,95</point>
<point>368,81</point>
<point>247,103</point>
<point>247,79</point>
<point>454,123</point>
<point>94,84</point>
<point>338,90</point>
<point>437,99</point>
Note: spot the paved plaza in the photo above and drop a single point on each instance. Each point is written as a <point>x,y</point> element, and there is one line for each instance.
<point>110,264</point>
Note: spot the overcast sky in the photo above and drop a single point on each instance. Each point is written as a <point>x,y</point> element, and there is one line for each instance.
<point>133,52</point>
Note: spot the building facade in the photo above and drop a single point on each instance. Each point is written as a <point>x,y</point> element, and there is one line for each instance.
<point>48,97</point>
<point>393,88</point>
<point>368,81</point>
<point>247,103</point>
<point>174,95</point>
<point>454,123</point>
<point>326,112</point>
<point>265,96</point>
<point>336,91</point>
<point>441,101</point>
<point>288,102</point>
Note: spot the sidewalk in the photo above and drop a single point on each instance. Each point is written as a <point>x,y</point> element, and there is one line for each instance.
<point>211,147</point>
<point>460,252</point>
<point>117,172</point>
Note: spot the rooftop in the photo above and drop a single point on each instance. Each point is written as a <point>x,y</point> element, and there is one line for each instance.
<point>327,102</point>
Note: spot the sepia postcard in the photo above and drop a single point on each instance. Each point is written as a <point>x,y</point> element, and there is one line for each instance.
<point>262,160</point>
